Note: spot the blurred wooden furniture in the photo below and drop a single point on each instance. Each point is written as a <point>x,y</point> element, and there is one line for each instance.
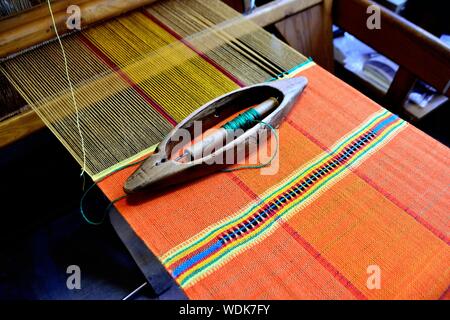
<point>419,54</point>
<point>310,32</point>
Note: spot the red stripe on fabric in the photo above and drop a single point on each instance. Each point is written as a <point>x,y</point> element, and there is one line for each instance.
<point>443,295</point>
<point>411,212</point>
<point>324,262</point>
<point>122,74</point>
<point>241,184</point>
<point>187,44</point>
<point>369,181</point>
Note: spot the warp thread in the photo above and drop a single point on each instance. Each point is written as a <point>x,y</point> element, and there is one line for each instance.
<point>290,71</point>
<point>72,91</point>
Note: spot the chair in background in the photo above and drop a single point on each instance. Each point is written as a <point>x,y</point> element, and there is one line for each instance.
<point>419,54</point>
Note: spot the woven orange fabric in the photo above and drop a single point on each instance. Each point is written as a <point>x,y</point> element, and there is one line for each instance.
<point>357,188</point>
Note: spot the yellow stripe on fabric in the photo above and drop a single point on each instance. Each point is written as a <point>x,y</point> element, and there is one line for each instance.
<point>308,168</point>
<point>228,254</point>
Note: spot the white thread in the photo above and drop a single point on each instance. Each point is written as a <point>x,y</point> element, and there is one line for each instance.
<point>66,65</point>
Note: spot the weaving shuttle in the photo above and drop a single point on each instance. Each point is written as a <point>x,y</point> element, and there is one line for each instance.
<point>160,170</point>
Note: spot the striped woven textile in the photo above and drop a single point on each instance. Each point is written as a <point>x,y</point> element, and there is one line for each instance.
<point>357,190</point>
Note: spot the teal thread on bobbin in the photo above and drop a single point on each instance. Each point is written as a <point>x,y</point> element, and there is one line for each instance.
<point>259,166</point>
<point>246,121</point>
<point>243,121</point>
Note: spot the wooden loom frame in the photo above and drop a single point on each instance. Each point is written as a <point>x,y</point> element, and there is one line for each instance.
<point>314,16</point>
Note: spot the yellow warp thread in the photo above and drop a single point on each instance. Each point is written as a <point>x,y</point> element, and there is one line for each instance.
<point>119,122</point>
<point>167,55</point>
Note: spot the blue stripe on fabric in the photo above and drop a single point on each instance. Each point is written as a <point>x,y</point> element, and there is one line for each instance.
<point>385,123</point>
<point>199,256</point>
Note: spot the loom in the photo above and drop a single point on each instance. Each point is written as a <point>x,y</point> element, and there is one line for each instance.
<point>144,58</point>
<point>357,187</point>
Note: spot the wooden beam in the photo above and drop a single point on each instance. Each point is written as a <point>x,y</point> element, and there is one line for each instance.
<point>237,5</point>
<point>399,90</point>
<point>35,26</point>
<point>18,127</point>
<point>278,10</point>
<point>35,13</point>
<point>40,30</point>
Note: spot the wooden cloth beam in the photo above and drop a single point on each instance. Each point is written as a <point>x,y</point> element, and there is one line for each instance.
<point>36,31</point>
